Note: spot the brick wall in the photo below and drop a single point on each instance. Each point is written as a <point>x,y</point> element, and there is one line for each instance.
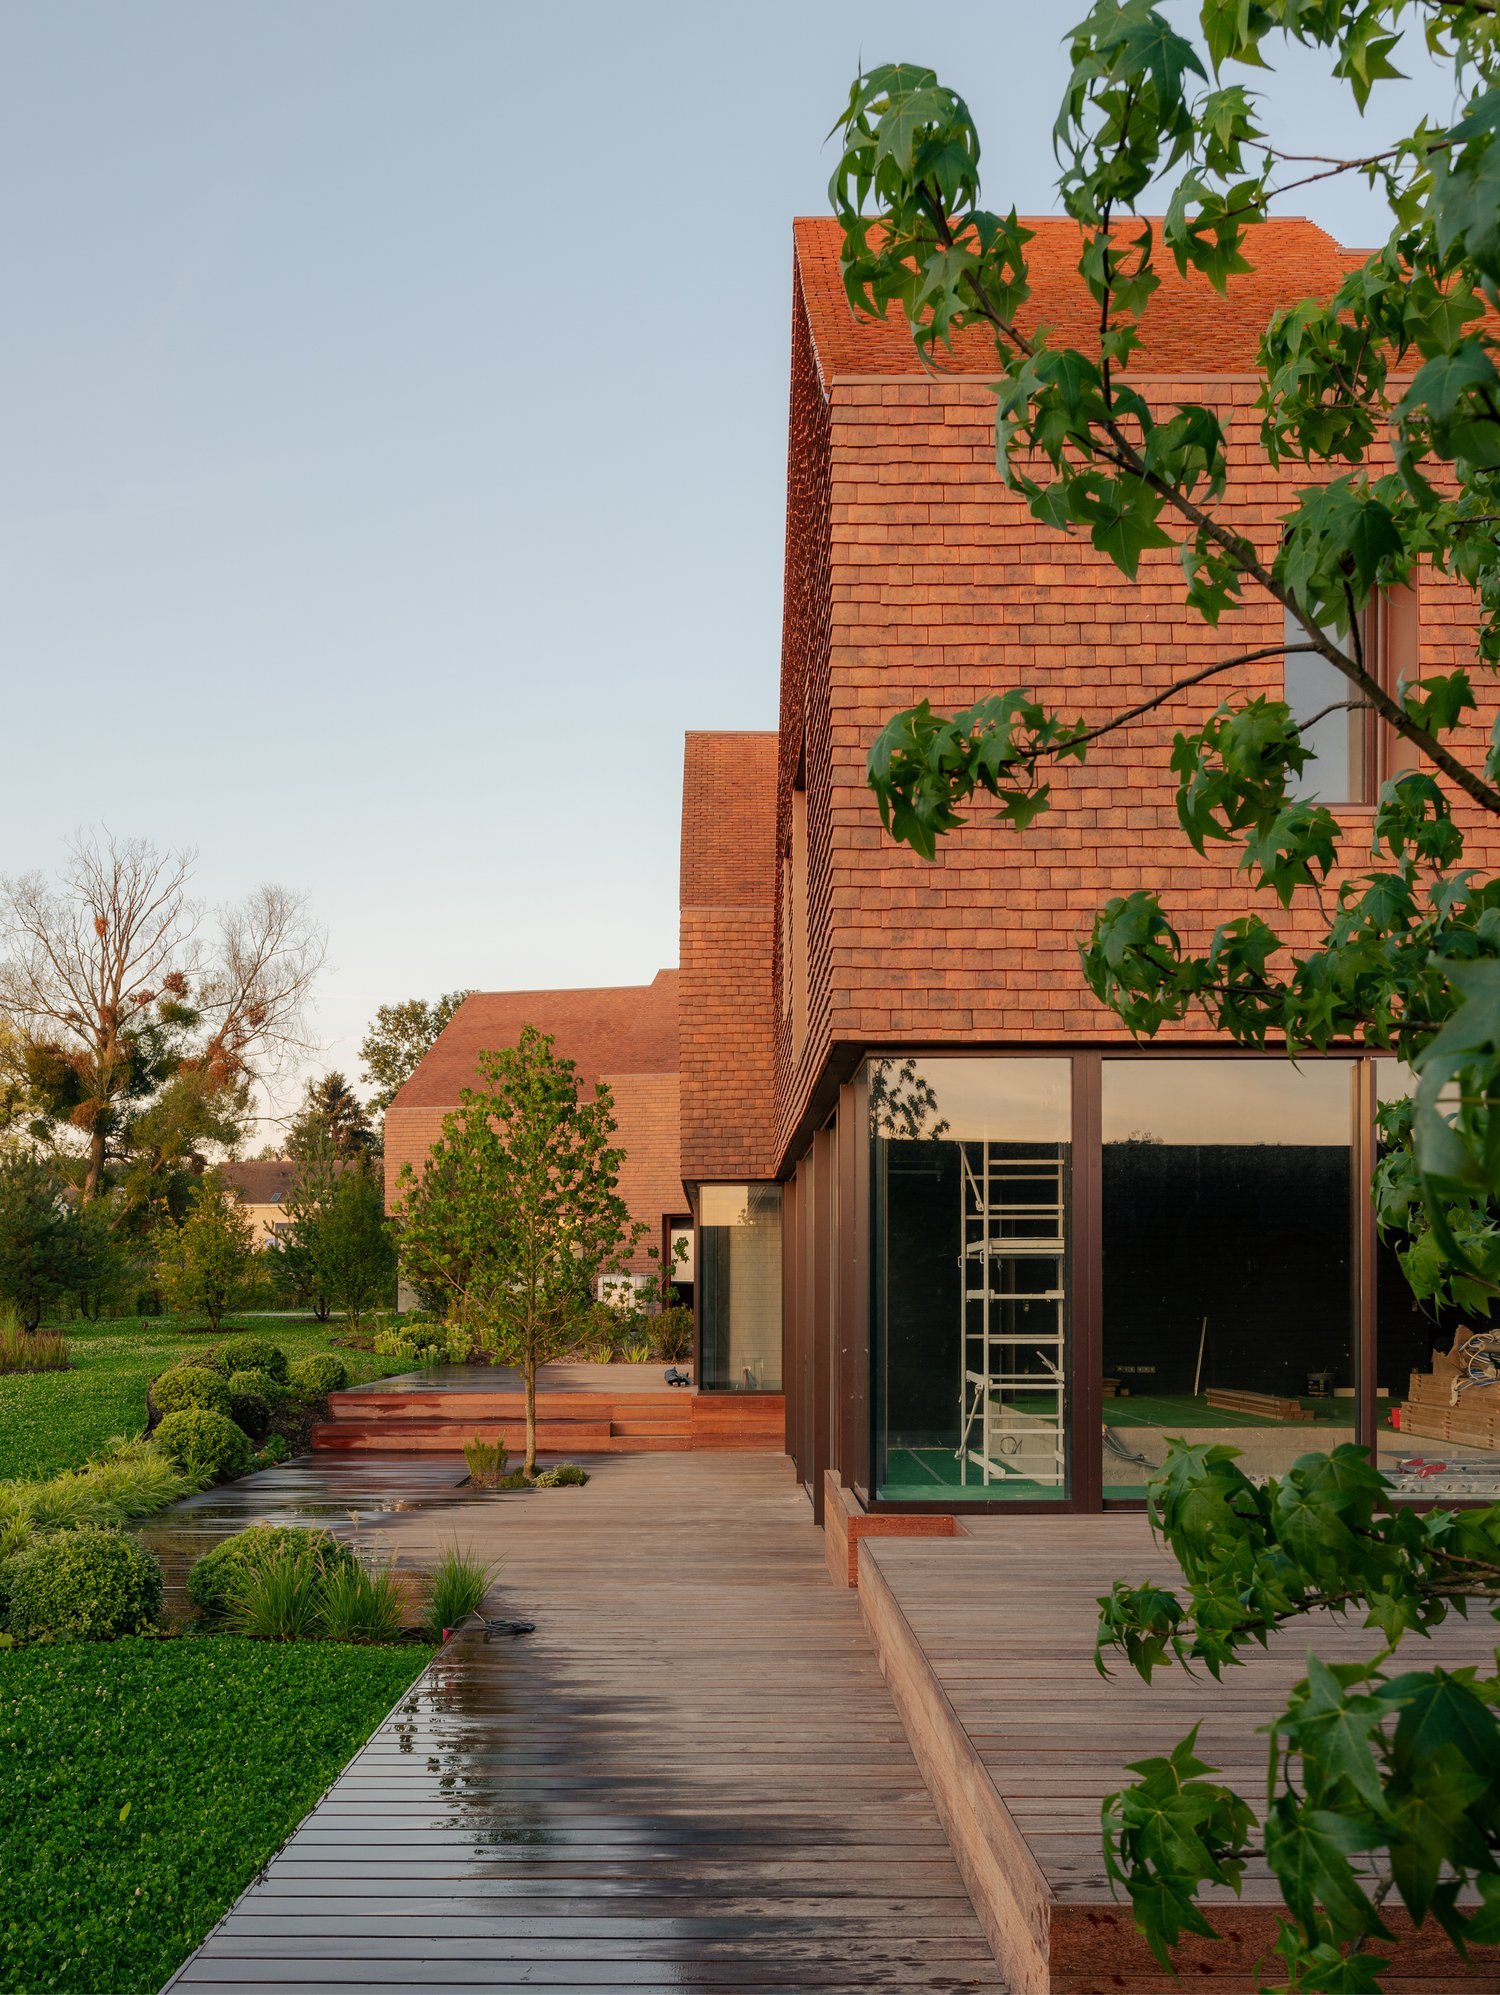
<point>941,586</point>
<point>727,945</point>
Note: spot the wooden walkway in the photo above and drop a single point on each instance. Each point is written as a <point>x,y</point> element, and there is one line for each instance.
<point>987,1640</point>
<point>691,1776</point>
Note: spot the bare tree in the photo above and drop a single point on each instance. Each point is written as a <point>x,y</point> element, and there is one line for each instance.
<point>115,994</point>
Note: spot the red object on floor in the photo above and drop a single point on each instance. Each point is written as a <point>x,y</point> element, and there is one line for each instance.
<point>1396,1418</point>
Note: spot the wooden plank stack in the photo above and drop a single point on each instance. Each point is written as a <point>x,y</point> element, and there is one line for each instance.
<point>1432,1414</point>
<point>1264,1405</point>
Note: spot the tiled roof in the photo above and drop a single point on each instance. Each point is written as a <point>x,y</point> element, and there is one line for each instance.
<point>624,1029</point>
<point>263,1180</point>
<point>1188,326</point>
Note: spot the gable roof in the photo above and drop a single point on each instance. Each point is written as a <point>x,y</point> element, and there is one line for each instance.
<point>621,1029</point>
<point>1188,327</point>
<point>264,1180</point>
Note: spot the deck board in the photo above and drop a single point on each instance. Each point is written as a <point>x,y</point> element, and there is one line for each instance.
<point>690,1776</point>
<point>1003,1618</point>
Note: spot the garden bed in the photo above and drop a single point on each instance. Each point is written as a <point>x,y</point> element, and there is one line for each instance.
<point>144,1782</point>
<point>51,1421</point>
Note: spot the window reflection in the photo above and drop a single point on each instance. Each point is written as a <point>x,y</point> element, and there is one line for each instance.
<point>1226,1260</point>
<point>739,1288</point>
<point>970,1182</point>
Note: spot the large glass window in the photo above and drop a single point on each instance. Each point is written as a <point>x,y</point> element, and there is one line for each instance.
<point>970,1167</point>
<point>739,1288</point>
<point>1227,1285</point>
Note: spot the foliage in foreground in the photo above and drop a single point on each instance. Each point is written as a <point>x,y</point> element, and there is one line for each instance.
<point>1381,1780</point>
<point>455,1588</point>
<point>153,1779</point>
<point>89,1584</point>
<point>218,1579</point>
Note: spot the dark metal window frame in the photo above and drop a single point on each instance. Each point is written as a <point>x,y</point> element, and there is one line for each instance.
<point>1086,1265</point>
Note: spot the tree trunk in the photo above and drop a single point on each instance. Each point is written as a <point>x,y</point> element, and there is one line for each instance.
<point>94,1176</point>
<point>529,1373</point>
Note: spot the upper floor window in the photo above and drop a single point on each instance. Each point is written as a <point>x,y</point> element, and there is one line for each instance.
<point>1354,753</point>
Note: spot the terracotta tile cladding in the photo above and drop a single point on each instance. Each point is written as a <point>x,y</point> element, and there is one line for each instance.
<point>1189,325</point>
<point>728,920</point>
<point>627,1029</point>
<point>625,1035</point>
<point>912,573</point>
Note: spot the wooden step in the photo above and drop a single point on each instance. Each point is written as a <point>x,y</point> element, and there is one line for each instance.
<point>448,1437</point>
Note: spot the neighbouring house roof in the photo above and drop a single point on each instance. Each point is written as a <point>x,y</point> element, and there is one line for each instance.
<point>624,1029</point>
<point>1188,327</point>
<point>264,1180</point>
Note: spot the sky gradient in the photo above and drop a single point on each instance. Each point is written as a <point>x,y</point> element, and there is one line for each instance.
<point>394,419</point>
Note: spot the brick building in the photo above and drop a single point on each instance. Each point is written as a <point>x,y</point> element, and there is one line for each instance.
<point>1016,1249</point>
<point>626,1036</point>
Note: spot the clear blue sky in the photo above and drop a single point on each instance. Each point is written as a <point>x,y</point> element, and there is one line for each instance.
<point>393,461</point>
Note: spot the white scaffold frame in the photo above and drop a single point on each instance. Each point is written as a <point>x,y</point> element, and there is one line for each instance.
<point>998,1360</point>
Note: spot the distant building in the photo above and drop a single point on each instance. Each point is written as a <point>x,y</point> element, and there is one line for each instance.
<point>263,1187</point>
<point>625,1035</point>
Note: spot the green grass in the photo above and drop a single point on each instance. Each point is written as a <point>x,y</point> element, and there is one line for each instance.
<point>51,1421</point>
<point>211,1750</point>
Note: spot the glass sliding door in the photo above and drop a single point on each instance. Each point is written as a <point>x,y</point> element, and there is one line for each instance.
<point>739,1288</point>
<point>970,1181</point>
<point>1227,1257</point>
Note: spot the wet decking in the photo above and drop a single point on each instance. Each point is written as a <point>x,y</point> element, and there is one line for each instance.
<point>690,1776</point>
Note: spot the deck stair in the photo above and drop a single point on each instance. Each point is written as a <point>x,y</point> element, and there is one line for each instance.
<point>634,1420</point>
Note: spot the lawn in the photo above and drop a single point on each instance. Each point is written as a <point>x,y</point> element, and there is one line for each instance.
<point>57,1420</point>
<point>143,1783</point>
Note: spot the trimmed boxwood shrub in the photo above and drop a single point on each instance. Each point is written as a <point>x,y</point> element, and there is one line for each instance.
<point>256,1354</point>
<point>88,1584</point>
<point>204,1443</point>
<point>182,1386</point>
<point>319,1374</point>
<point>253,1380</point>
<point>249,1409</point>
<point>208,1361</point>
<point>217,1577</point>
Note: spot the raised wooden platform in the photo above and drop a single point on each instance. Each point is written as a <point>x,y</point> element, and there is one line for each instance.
<point>986,1641</point>
<point>581,1410</point>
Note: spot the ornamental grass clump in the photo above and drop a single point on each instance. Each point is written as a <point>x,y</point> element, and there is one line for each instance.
<point>354,1605</point>
<point>218,1578</point>
<point>486,1460</point>
<point>454,1589</point>
<point>88,1584</point>
<point>279,1601</point>
<point>30,1350</point>
<point>134,1479</point>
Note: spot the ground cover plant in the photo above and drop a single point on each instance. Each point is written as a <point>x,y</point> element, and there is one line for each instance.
<point>144,1782</point>
<point>59,1420</point>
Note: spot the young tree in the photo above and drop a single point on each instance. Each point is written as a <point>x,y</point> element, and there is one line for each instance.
<point>343,1242</point>
<point>204,1262</point>
<point>1389,394</point>
<point>517,1214</point>
<point>400,1036</point>
<point>40,1247</point>
<point>300,1271</point>
<point>141,1035</point>
<point>332,1115</point>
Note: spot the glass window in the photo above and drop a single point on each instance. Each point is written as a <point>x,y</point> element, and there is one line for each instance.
<point>1227,1260</point>
<point>739,1288</point>
<point>971,1188</point>
<point>1319,695</point>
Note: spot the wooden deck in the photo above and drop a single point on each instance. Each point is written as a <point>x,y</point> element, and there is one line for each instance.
<point>691,1776</point>
<point>581,1409</point>
<point>986,1640</point>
